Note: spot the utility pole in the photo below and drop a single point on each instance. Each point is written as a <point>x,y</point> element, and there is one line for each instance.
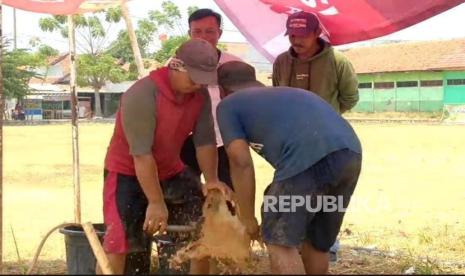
<point>133,39</point>
<point>1,140</point>
<point>14,29</point>
<point>74,120</point>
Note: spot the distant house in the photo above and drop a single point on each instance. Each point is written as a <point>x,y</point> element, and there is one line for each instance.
<point>51,99</point>
<point>400,76</point>
<point>247,52</point>
<point>410,77</point>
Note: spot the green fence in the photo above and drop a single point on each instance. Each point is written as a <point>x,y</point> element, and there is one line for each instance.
<point>416,99</point>
<point>400,100</point>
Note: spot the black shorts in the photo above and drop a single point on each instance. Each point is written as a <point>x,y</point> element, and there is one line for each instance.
<point>333,177</point>
<point>125,205</point>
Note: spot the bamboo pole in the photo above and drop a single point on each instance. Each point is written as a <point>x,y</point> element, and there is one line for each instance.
<point>2,108</point>
<point>74,120</point>
<point>97,248</point>
<point>133,39</point>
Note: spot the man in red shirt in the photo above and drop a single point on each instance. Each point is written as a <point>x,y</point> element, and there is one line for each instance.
<point>147,186</point>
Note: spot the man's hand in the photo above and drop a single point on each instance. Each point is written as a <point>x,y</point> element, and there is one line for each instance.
<point>156,218</point>
<point>227,192</point>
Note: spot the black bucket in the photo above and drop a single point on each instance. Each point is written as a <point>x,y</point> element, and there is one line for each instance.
<point>80,259</point>
<point>166,249</point>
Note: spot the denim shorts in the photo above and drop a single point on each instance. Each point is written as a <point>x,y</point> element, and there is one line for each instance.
<point>332,178</point>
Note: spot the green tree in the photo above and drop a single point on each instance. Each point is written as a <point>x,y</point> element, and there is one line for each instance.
<point>95,70</point>
<point>168,48</point>
<point>17,73</point>
<point>19,66</point>
<point>191,10</point>
<point>168,20</point>
<point>46,51</point>
<point>94,65</point>
<point>121,47</point>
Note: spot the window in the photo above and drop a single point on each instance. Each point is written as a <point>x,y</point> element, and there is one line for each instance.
<point>365,85</point>
<point>456,82</point>
<point>66,105</point>
<point>51,105</point>
<point>384,85</point>
<point>407,84</point>
<point>430,83</point>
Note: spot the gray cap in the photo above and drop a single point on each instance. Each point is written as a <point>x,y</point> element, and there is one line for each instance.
<point>235,75</point>
<point>200,60</point>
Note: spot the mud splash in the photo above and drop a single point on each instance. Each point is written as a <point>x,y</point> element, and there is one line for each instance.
<point>223,237</point>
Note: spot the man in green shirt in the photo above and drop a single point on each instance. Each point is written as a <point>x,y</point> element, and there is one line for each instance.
<point>313,64</point>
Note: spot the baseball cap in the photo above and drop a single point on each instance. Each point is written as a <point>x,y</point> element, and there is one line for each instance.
<point>302,23</point>
<point>236,75</point>
<point>200,60</point>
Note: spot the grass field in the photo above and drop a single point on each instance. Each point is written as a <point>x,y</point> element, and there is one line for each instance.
<point>408,207</point>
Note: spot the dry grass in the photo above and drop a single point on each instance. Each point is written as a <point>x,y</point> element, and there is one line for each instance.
<point>428,116</point>
<point>351,262</point>
<point>409,199</point>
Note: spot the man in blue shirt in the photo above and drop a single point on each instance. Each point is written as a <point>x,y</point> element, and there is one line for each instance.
<point>317,160</point>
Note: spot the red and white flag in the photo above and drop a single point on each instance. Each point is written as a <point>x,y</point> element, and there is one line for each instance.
<point>60,7</point>
<point>263,22</point>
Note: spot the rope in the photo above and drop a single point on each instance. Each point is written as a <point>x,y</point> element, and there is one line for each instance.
<point>41,245</point>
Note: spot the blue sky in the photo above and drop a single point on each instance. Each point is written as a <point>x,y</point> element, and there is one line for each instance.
<point>446,25</point>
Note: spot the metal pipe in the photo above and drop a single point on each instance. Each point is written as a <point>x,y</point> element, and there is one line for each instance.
<point>180,228</point>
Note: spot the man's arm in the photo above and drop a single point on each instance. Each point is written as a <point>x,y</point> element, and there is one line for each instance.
<point>206,150</point>
<point>243,178</point>
<point>138,114</point>
<point>207,156</point>
<point>147,175</point>
<point>347,84</point>
<point>205,141</point>
<point>240,163</point>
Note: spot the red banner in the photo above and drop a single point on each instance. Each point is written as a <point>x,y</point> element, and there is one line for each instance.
<point>263,22</point>
<point>47,6</point>
<point>60,7</point>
